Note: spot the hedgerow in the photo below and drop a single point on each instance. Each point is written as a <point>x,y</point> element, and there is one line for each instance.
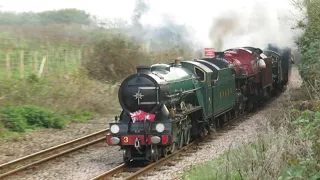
<point>22,118</point>
<point>309,42</point>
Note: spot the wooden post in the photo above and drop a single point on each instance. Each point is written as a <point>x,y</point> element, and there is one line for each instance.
<point>8,65</point>
<point>79,58</point>
<point>85,55</point>
<point>65,67</point>
<point>35,65</point>
<point>53,63</point>
<point>22,64</point>
<point>48,62</point>
<point>42,66</point>
<point>74,56</point>
<point>57,62</point>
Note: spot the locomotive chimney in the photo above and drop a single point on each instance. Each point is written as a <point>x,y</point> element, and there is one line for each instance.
<point>141,69</point>
<point>177,61</point>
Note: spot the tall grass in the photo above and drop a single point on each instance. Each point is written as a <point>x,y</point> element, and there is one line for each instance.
<point>287,147</point>
<point>63,88</point>
<point>82,69</point>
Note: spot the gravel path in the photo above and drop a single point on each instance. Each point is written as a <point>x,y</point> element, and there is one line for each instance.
<point>39,140</point>
<point>84,164</point>
<point>243,133</point>
<point>89,162</point>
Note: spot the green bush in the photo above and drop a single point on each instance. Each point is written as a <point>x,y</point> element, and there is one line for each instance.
<point>309,64</point>
<point>114,58</point>
<point>22,118</point>
<point>309,42</point>
<point>283,154</point>
<point>309,123</point>
<point>71,93</point>
<point>306,167</point>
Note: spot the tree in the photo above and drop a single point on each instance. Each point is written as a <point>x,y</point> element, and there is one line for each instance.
<point>63,16</point>
<point>309,42</point>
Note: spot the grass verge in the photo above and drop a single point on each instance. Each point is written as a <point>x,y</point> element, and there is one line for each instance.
<point>287,148</point>
<point>34,103</point>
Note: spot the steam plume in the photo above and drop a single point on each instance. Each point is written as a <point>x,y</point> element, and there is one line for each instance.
<point>258,26</point>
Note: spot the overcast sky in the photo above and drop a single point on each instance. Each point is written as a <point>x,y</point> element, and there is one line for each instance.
<point>198,14</point>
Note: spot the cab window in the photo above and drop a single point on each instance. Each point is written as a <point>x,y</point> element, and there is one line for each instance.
<point>200,74</point>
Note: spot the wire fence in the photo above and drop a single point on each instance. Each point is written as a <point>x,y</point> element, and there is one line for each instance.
<point>20,58</point>
<point>20,64</point>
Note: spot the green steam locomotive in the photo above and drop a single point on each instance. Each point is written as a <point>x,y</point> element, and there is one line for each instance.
<point>166,106</point>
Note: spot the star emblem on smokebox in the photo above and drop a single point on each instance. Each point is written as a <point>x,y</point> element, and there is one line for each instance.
<point>138,95</point>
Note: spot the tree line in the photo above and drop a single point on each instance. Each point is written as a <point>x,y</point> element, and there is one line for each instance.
<point>309,42</point>
<point>62,16</point>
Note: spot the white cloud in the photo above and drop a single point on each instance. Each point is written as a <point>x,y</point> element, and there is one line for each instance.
<point>199,14</point>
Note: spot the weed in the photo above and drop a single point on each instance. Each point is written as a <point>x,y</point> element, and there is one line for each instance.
<point>22,118</point>
<point>287,147</point>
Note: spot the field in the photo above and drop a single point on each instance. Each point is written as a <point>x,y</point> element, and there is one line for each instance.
<point>55,70</point>
<point>22,54</point>
<point>69,70</point>
<point>43,75</point>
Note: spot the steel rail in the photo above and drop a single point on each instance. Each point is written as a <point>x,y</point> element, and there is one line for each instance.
<point>159,163</point>
<point>171,156</point>
<point>162,161</point>
<point>151,166</point>
<point>121,168</point>
<point>111,172</point>
<point>20,164</point>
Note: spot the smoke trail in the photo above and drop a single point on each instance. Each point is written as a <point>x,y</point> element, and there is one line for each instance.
<point>137,28</point>
<point>261,24</point>
<point>223,27</point>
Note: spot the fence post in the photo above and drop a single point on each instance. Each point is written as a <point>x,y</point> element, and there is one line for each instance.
<point>42,66</point>
<point>79,57</point>
<point>65,66</point>
<point>57,62</point>
<point>48,62</point>
<point>85,55</point>
<point>74,56</point>
<point>22,64</point>
<point>8,65</point>
<point>53,63</point>
<point>35,65</point>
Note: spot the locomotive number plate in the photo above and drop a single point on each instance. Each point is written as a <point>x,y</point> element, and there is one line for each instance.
<point>125,139</point>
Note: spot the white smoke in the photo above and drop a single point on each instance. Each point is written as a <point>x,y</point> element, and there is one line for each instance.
<point>229,23</point>
<point>261,24</point>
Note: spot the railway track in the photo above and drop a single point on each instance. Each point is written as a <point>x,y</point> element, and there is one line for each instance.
<point>133,172</point>
<point>26,162</point>
<point>127,172</point>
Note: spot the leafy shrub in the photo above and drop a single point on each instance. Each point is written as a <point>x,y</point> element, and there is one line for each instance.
<point>114,58</point>
<point>71,93</point>
<point>21,118</point>
<point>308,126</point>
<point>282,154</point>
<point>309,42</point>
<point>67,16</point>
<point>308,169</point>
<point>310,62</point>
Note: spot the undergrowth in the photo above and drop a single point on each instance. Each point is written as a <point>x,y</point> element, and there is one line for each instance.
<point>23,118</point>
<point>82,64</point>
<point>282,150</point>
<point>34,103</point>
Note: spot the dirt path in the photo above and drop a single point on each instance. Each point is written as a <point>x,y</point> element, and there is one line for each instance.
<point>243,133</point>
<point>38,140</point>
<point>93,160</point>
